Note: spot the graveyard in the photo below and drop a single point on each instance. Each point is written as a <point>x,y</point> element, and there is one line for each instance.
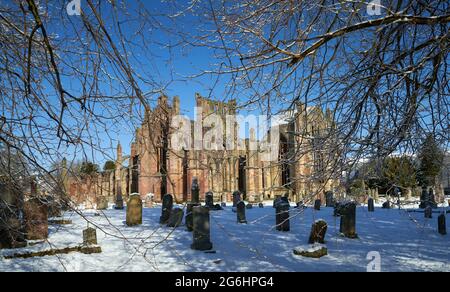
<point>405,240</point>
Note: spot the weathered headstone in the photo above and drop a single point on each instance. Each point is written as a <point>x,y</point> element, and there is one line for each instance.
<point>261,205</point>
<point>386,205</point>
<point>217,207</point>
<point>348,220</point>
<point>195,191</point>
<point>190,216</point>
<point>317,204</point>
<point>428,212</point>
<point>318,231</point>
<point>276,201</point>
<point>90,236</point>
<point>201,226</point>
<point>166,209</point>
<point>432,199</point>
<point>119,202</point>
<point>424,198</point>
<point>209,200</point>
<point>102,203</point>
<point>134,210</point>
<point>236,198</point>
<point>223,204</point>
<point>337,209</point>
<point>329,199</point>
<point>11,233</point>
<point>442,228</point>
<point>371,205</point>
<point>300,205</point>
<point>36,219</point>
<point>282,217</point>
<point>149,200</point>
<point>54,207</point>
<point>241,212</point>
<point>249,206</point>
<point>176,217</point>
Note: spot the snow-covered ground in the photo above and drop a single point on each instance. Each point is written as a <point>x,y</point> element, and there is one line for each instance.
<point>405,242</point>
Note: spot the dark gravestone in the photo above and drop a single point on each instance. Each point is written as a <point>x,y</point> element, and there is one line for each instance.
<point>240,211</point>
<point>282,217</point>
<point>11,233</point>
<point>119,202</point>
<point>201,234</point>
<point>371,205</point>
<point>176,217</point>
<point>195,191</point>
<point>329,199</point>
<point>261,205</point>
<point>300,205</point>
<point>428,212</point>
<point>167,206</point>
<point>386,205</point>
<point>223,204</point>
<point>134,210</point>
<point>442,228</point>
<point>337,209</point>
<point>90,236</point>
<point>236,198</point>
<point>35,219</point>
<point>431,199</point>
<point>348,220</point>
<point>209,200</point>
<point>317,204</point>
<point>217,207</point>
<point>54,207</point>
<point>190,216</point>
<point>249,206</point>
<point>423,198</point>
<point>318,231</point>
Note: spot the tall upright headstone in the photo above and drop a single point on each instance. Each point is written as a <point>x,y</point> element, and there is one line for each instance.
<point>209,200</point>
<point>90,236</point>
<point>118,202</point>
<point>35,219</point>
<point>428,213</point>
<point>189,220</point>
<point>241,212</point>
<point>282,217</point>
<point>134,210</point>
<point>236,198</point>
<point>329,199</point>
<point>166,209</point>
<point>371,205</point>
<point>201,227</point>
<point>317,204</point>
<point>348,220</point>
<point>432,199</point>
<point>176,217</point>
<point>195,191</point>
<point>318,231</point>
<point>424,198</point>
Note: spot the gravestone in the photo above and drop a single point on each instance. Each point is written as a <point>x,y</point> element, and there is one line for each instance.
<point>236,198</point>
<point>217,207</point>
<point>371,205</point>
<point>195,191</point>
<point>223,204</point>
<point>11,233</point>
<point>337,209</point>
<point>190,216</point>
<point>102,203</point>
<point>201,227</point>
<point>300,205</point>
<point>90,236</point>
<point>209,200</point>
<point>240,211</point>
<point>249,206</point>
<point>318,231</point>
<point>348,220</point>
<point>282,217</point>
<point>176,217</point>
<point>317,204</point>
<point>54,207</point>
<point>134,210</point>
<point>329,199</point>
<point>261,205</point>
<point>423,198</point>
<point>442,228</point>
<point>35,214</point>
<point>432,199</point>
<point>119,202</point>
<point>149,200</point>
<point>166,209</point>
<point>386,205</point>
<point>428,212</point>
